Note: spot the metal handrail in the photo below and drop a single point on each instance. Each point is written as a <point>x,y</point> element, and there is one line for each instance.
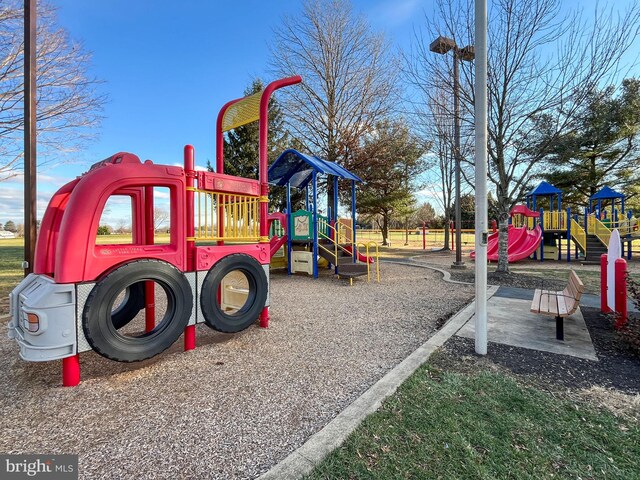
<point>579,235</point>
<point>377,258</point>
<point>555,220</point>
<point>600,230</point>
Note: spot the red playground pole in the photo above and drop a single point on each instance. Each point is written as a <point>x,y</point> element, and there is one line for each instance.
<point>189,168</point>
<point>453,246</point>
<point>149,287</point>
<point>424,236</point>
<point>494,226</point>
<point>621,292</point>
<point>603,284</point>
<point>71,371</point>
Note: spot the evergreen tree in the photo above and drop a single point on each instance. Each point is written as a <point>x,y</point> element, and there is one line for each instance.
<point>603,147</point>
<point>10,226</point>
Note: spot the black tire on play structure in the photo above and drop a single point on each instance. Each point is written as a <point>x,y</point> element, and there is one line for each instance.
<point>97,322</point>
<point>130,306</point>
<point>258,287</point>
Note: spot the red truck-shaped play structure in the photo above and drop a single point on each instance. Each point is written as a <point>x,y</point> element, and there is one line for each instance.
<point>83,294</point>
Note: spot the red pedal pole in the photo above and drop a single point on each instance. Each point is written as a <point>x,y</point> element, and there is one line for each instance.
<point>621,292</point>
<point>71,371</point>
<point>424,236</point>
<point>603,284</point>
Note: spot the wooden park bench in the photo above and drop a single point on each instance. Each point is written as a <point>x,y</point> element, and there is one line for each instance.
<point>559,304</point>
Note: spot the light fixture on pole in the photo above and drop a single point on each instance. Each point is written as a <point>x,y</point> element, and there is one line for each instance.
<point>442,45</point>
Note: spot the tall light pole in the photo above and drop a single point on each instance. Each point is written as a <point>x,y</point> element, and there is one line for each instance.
<point>30,197</point>
<point>442,45</point>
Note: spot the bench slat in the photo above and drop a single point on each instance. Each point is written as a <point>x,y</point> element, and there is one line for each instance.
<point>562,303</point>
<point>573,278</point>
<point>535,304</point>
<point>563,308</point>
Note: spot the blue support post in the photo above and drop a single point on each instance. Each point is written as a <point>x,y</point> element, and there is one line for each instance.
<point>306,197</point>
<point>353,219</point>
<point>335,200</point>
<point>289,228</point>
<point>569,234</point>
<point>559,201</point>
<point>630,243</point>
<point>542,238</point>
<point>315,224</point>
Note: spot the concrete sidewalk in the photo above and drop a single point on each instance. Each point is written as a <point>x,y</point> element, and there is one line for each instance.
<point>511,323</point>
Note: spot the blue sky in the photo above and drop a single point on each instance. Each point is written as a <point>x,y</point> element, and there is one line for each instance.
<point>169,66</point>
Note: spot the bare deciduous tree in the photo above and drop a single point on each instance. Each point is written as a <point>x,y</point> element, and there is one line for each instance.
<point>541,65</point>
<point>161,217</point>
<point>67,104</point>
<point>349,76</point>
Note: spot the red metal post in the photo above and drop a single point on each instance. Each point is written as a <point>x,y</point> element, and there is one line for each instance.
<point>621,292</point>
<point>149,287</point>
<point>263,167</point>
<point>453,247</point>
<point>71,371</point>
<point>603,284</point>
<point>189,170</point>
<point>264,317</point>
<point>424,236</point>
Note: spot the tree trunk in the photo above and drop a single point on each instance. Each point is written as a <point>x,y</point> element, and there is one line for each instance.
<point>503,241</point>
<point>385,230</point>
<point>446,246</point>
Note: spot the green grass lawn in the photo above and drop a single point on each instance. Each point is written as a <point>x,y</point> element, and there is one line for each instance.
<point>453,426</point>
<point>11,272</point>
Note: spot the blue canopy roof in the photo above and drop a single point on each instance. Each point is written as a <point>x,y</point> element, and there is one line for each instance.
<point>606,193</point>
<point>297,169</point>
<point>543,189</point>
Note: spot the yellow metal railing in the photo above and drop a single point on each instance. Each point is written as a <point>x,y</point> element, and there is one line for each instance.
<point>325,226</point>
<point>579,235</point>
<point>520,221</point>
<point>599,229</point>
<point>376,258</point>
<point>224,216</point>
<point>556,220</point>
<point>344,236</point>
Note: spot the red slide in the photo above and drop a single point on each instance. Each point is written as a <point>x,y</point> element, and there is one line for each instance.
<point>362,258</point>
<point>276,243</point>
<point>521,244</point>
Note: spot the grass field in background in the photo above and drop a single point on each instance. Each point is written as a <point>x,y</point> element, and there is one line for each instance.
<point>12,253</point>
<point>11,272</point>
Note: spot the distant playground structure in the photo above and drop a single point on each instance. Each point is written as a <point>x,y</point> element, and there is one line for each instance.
<point>540,234</point>
<point>306,239</point>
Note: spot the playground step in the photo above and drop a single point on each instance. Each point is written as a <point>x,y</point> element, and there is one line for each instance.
<point>351,270</point>
<point>595,248</point>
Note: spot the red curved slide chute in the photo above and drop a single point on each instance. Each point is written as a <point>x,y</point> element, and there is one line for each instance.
<point>520,245</point>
